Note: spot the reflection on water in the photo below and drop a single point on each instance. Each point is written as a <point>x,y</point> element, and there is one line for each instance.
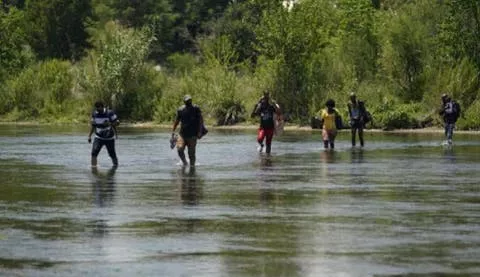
<point>402,206</point>
<point>449,155</point>
<point>191,186</point>
<point>357,155</point>
<point>268,195</point>
<point>328,156</point>
<point>103,187</point>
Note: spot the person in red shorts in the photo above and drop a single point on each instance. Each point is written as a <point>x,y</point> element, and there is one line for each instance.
<point>266,111</point>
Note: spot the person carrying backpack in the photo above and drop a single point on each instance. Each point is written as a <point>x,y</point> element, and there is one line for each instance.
<point>190,118</point>
<point>266,110</point>
<point>358,118</point>
<point>450,111</point>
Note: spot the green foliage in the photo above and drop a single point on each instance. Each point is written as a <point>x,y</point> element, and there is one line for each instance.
<point>458,80</point>
<point>43,88</point>
<point>471,117</point>
<point>140,103</point>
<point>297,41</point>
<point>391,115</point>
<point>221,93</point>
<point>56,28</point>
<point>358,44</point>
<point>180,64</point>
<point>157,15</point>
<point>405,39</point>
<point>217,91</point>
<point>141,57</point>
<point>15,53</point>
<point>114,72</point>
<point>238,24</point>
<point>460,30</point>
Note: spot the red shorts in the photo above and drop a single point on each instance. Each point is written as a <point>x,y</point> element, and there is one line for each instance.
<point>265,133</point>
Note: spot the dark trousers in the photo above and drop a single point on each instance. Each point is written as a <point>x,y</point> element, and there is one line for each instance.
<point>357,125</point>
<point>109,144</point>
<point>449,130</point>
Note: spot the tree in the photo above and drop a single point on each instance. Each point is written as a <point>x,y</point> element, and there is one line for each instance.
<point>15,53</point>
<point>157,15</point>
<point>115,70</point>
<point>56,28</point>
<point>408,47</point>
<point>298,41</point>
<point>460,30</point>
<point>358,43</point>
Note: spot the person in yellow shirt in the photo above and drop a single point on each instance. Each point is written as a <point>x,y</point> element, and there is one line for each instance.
<point>330,119</point>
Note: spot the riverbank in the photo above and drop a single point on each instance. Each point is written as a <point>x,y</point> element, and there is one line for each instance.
<point>292,127</point>
<point>288,127</point>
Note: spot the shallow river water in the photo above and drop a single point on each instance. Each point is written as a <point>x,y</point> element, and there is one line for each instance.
<point>402,206</point>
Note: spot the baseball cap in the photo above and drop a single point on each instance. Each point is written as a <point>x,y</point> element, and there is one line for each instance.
<point>187,98</point>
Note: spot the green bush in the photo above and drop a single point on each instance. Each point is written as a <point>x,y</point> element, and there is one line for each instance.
<point>391,115</point>
<point>115,72</point>
<point>39,91</point>
<point>212,88</point>
<point>24,95</point>
<point>221,93</point>
<point>470,119</point>
<point>180,64</point>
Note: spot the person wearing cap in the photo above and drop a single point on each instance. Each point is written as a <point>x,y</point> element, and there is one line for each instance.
<point>190,117</point>
<point>450,111</point>
<point>266,110</point>
<point>357,114</point>
<point>103,124</point>
<point>330,118</point>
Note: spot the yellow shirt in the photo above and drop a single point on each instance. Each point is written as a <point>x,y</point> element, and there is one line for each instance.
<point>328,120</point>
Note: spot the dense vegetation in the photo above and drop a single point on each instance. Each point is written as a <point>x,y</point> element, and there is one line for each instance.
<point>141,57</point>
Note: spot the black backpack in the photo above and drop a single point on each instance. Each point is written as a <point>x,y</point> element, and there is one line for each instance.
<point>367,117</point>
<point>452,108</point>
<point>338,120</point>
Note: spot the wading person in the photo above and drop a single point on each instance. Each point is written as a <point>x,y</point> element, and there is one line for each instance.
<point>330,118</point>
<point>357,114</point>
<point>190,117</point>
<point>450,111</point>
<point>103,124</point>
<point>266,110</point>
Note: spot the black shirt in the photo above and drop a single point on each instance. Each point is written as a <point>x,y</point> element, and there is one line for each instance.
<point>266,113</point>
<point>190,117</point>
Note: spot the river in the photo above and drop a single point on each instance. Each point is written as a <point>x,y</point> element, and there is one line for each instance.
<point>402,206</point>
